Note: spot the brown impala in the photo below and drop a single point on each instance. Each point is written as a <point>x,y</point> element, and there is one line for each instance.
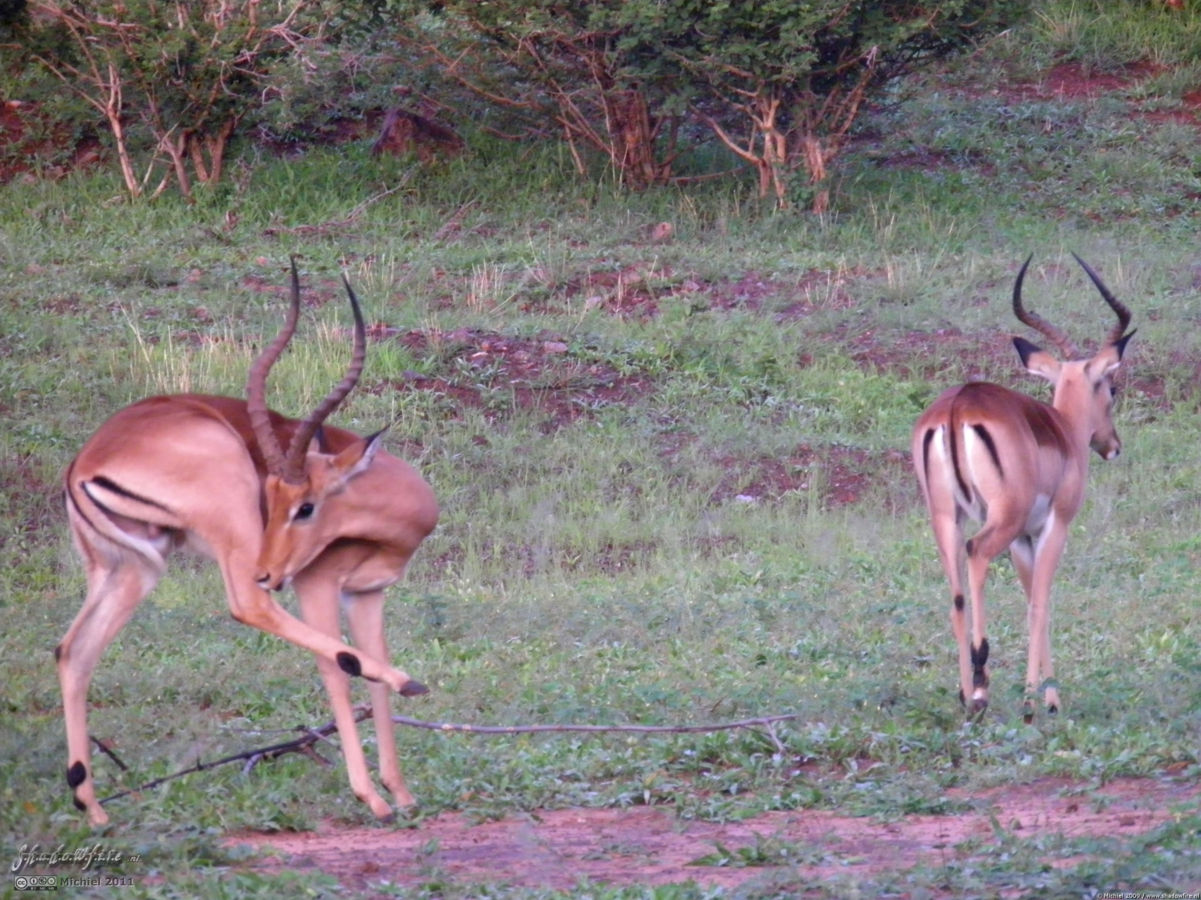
<point>336,516</point>
<point>1018,466</point>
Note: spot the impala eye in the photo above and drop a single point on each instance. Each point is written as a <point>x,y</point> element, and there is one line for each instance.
<point>304,511</point>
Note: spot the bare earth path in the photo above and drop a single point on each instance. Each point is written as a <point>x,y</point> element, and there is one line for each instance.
<point>649,846</point>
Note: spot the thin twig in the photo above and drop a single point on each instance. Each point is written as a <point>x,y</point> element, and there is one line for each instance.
<point>311,736</point>
<point>765,721</point>
<point>107,751</point>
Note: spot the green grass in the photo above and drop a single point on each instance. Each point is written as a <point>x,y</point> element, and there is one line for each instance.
<point>639,559</point>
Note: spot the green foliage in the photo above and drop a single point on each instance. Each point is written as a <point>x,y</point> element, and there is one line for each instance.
<point>779,83</point>
<point>1109,35</point>
<point>185,73</point>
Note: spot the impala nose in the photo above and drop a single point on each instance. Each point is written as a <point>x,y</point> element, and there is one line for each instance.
<point>1108,450</point>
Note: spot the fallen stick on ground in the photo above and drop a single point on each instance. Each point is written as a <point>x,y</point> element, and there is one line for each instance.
<point>311,736</point>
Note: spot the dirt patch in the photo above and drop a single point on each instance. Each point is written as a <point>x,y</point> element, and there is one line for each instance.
<point>838,475</point>
<point>556,849</point>
<point>1074,81</point>
<point>498,373</point>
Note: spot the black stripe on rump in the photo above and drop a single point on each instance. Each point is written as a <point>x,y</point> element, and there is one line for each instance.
<point>926,442</point>
<point>983,434</point>
<point>109,485</point>
<point>70,495</point>
<point>79,509</point>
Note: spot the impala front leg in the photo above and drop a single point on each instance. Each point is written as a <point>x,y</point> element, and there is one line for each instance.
<point>1022,554</point>
<point>251,605</point>
<point>365,613</point>
<point>265,614</point>
<point>1039,670</point>
<point>319,604</point>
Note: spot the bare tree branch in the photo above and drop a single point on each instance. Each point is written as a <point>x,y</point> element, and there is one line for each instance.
<point>312,736</point>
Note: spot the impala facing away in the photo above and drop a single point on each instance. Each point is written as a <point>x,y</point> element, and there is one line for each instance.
<point>335,516</point>
<point>1019,467</point>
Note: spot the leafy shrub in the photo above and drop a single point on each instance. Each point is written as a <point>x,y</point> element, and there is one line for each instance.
<point>780,83</point>
<point>172,80</point>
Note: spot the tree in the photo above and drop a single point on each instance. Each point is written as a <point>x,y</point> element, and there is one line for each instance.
<point>560,63</point>
<point>779,82</point>
<point>185,71</point>
<point>795,75</point>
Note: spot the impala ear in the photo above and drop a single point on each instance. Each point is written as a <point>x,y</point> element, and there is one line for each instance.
<point>357,458</point>
<point>1106,362</point>
<point>1120,343</point>
<point>1037,360</point>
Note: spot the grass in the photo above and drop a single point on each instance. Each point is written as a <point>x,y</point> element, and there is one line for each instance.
<point>647,528</point>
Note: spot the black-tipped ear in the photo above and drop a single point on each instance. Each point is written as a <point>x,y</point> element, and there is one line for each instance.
<point>357,458</point>
<point>1120,343</point>
<point>1025,349</point>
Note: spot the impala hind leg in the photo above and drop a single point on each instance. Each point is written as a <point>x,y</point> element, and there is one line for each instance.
<point>115,588</point>
<point>982,549</point>
<point>977,574</point>
<point>948,535</point>
<point>365,613</point>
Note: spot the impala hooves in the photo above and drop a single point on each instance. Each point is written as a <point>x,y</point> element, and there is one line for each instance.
<point>976,710</point>
<point>385,814</point>
<point>413,689</point>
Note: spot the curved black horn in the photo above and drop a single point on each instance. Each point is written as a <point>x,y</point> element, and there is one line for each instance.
<point>294,464</point>
<point>256,385</point>
<point>1115,304</point>
<point>1055,335</point>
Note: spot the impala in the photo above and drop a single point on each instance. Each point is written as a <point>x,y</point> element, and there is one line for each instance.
<point>334,516</point>
<point>1017,466</point>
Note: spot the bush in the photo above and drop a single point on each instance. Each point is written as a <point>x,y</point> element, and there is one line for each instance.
<point>173,80</point>
<point>780,83</point>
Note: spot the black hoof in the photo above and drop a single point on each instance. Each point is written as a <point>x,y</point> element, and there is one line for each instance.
<point>975,709</point>
<point>414,689</point>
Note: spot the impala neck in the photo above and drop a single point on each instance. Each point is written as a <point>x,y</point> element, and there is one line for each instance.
<point>1073,400</point>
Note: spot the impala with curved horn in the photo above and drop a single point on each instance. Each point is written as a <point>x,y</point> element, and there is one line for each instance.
<point>342,519</point>
<point>1018,466</point>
